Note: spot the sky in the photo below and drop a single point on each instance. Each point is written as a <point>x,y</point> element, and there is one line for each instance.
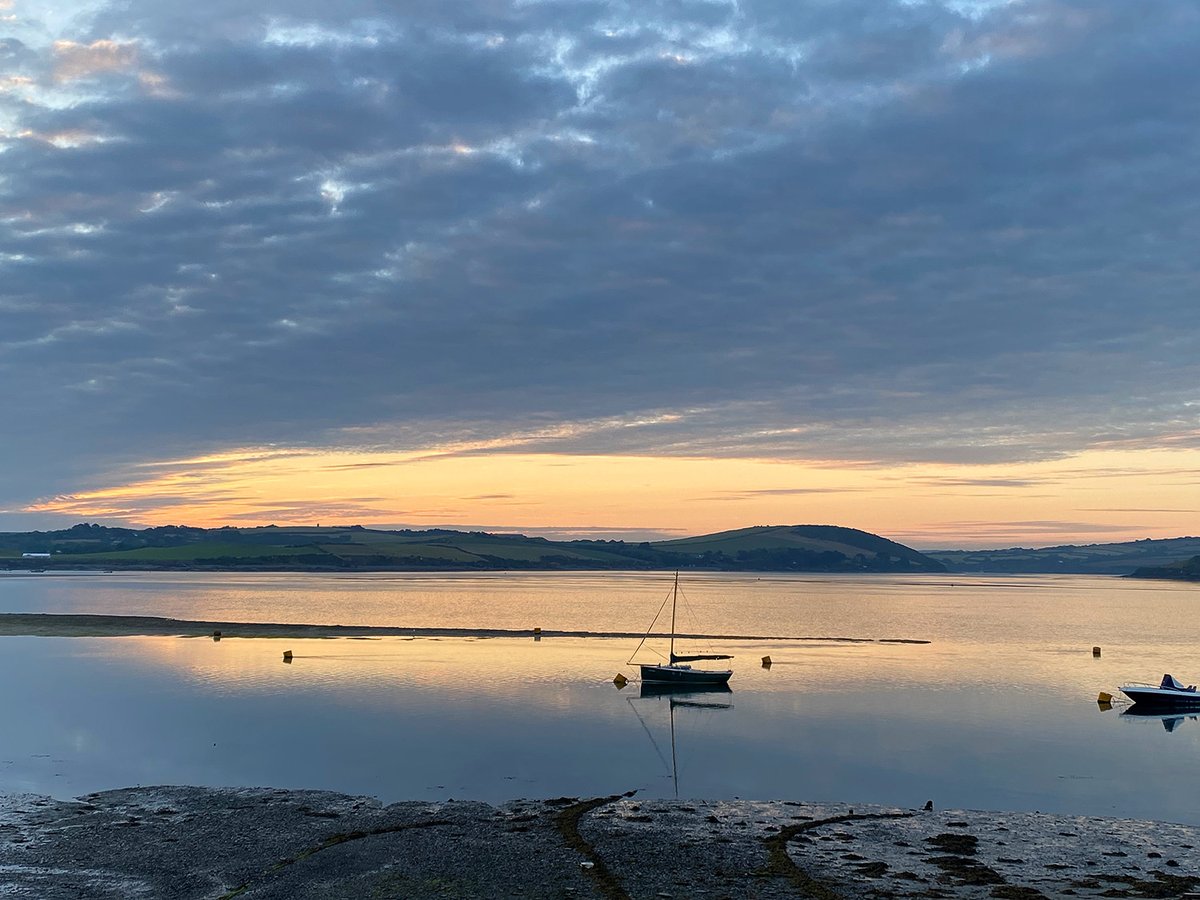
<point>601,268</point>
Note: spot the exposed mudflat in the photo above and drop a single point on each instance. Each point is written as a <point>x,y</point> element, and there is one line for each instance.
<point>72,625</point>
<point>183,842</point>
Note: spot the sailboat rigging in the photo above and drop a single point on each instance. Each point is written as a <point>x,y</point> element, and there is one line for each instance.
<point>676,670</point>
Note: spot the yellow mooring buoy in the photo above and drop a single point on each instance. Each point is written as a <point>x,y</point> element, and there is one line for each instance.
<point>1096,651</point>
<point>766,662</point>
<point>287,655</point>
<point>1105,698</point>
<point>620,681</point>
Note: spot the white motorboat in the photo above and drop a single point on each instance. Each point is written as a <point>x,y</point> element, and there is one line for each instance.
<point>1170,692</point>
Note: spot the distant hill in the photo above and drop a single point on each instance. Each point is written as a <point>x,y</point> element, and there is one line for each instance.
<point>1090,559</point>
<point>1185,570</point>
<point>806,546</point>
<point>799,548</point>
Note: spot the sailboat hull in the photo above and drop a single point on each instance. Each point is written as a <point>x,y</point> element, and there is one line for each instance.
<point>682,675</point>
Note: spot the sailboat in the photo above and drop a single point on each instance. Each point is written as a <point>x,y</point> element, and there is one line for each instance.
<point>677,670</point>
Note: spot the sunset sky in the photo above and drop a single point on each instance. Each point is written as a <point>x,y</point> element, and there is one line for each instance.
<point>928,269</point>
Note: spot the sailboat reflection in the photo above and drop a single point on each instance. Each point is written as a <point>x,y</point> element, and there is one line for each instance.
<point>694,697</point>
<point>1170,721</point>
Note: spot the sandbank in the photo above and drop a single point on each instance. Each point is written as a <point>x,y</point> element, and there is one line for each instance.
<point>74,625</point>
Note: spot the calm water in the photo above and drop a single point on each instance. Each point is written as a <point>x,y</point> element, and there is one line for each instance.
<point>998,712</point>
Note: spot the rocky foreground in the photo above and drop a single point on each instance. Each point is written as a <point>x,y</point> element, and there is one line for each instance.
<point>181,842</point>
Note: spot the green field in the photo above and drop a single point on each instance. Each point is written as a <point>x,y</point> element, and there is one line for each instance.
<point>809,538</point>
<point>1099,559</point>
<point>399,552</point>
<point>753,539</point>
<point>189,552</point>
<point>778,548</point>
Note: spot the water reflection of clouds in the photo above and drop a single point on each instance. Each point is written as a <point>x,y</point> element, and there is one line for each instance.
<point>988,617</point>
<point>489,666</point>
<point>998,712</point>
<point>351,669</point>
<point>496,718</point>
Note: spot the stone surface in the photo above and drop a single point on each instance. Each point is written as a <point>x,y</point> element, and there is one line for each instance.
<point>178,842</point>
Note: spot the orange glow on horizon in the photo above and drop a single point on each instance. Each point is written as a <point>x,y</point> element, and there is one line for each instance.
<point>1094,497</point>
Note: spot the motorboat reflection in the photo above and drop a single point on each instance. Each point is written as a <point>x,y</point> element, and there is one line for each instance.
<point>1170,720</point>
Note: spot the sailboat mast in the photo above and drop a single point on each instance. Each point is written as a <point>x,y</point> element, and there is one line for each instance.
<point>674,598</point>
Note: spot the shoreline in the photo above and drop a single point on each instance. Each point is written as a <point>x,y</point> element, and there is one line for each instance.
<point>78,569</point>
<point>201,843</point>
<point>76,625</point>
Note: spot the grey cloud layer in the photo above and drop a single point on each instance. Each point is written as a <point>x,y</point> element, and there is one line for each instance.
<point>879,229</point>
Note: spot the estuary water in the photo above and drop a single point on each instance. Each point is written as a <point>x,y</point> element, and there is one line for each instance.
<point>996,711</point>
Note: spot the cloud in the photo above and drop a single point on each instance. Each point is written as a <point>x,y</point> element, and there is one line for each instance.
<point>634,533</point>
<point>996,482</point>
<point>869,231</point>
<point>293,512</point>
<point>1135,510</point>
<point>74,60</point>
<point>773,492</point>
<point>785,492</point>
<point>1032,533</point>
<point>1037,526</point>
<point>359,465</point>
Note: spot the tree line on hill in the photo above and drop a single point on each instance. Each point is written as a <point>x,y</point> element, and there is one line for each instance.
<point>777,548</point>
